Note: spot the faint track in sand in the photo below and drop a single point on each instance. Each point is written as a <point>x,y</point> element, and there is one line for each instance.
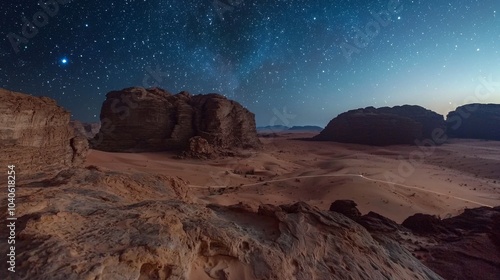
<point>356,176</point>
<point>471,147</point>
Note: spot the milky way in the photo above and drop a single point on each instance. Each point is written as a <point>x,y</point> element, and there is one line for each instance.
<point>306,60</point>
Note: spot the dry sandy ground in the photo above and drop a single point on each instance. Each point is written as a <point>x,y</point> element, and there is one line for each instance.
<point>443,181</point>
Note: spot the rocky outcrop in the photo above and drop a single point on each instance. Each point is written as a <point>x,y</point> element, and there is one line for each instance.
<point>85,130</point>
<point>97,224</point>
<point>35,135</point>
<point>138,120</point>
<point>345,207</point>
<point>429,120</point>
<point>371,128</point>
<point>424,224</point>
<point>476,121</point>
<point>383,126</point>
<point>463,247</point>
<point>199,148</point>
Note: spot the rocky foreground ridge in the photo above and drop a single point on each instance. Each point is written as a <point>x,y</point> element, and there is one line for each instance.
<point>95,224</point>
<point>35,135</point>
<point>140,120</point>
<point>383,126</point>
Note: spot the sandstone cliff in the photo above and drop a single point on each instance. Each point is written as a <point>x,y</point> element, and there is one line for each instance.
<point>138,119</point>
<point>477,121</point>
<point>369,128</point>
<point>383,126</point>
<point>429,120</point>
<point>35,135</point>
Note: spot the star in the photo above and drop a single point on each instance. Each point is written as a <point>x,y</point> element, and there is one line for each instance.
<point>255,54</point>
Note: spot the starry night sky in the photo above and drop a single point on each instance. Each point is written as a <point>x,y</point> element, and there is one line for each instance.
<point>310,60</point>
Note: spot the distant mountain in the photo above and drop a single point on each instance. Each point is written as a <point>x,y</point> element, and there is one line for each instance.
<point>306,128</point>
<point>282,128</point>
<point>272,128</point>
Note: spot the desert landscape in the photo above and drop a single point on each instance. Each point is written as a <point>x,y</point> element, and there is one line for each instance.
<point>250,140</point>
<point>184,186</point>
<point>461,174</point>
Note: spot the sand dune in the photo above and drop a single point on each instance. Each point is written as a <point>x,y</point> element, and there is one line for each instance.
<point>461,174</point>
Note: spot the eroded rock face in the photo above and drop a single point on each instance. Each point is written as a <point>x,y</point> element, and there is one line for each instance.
<point>369,128</point>
<point>475,121</point>
<point>430,121</point>
<point>35,135</point>
<point>383,126</point>
<point>463,247</point>
<point>346,207</point>
<point>199,148</point>
<point>466,246</point>
<point>138,119</point>
<point>96,224</point>
<point>85,130</point>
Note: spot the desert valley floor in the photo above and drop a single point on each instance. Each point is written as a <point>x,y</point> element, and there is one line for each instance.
<point>460,174</point>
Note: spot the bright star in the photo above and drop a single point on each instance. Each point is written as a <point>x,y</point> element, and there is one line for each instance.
<point>64,61</point>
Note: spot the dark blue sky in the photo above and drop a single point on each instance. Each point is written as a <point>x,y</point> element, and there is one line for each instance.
<point>311,59</point>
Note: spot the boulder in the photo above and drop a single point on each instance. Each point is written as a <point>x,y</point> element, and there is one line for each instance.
<point>199,148</point>
<point>346,207</point>
<point>85,130</point>
<point>476,121</point>
<point>424,224</point>
<point>383,126</point>
<point>35,135</point>
<point>141,120</point>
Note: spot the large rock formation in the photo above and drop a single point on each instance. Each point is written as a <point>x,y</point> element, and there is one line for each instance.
<point>138,119</point>
<point>477,121</point>
<point>371,128</point>
<point>35,135</point>
<point>429,120</point>
<point>383,126</point>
